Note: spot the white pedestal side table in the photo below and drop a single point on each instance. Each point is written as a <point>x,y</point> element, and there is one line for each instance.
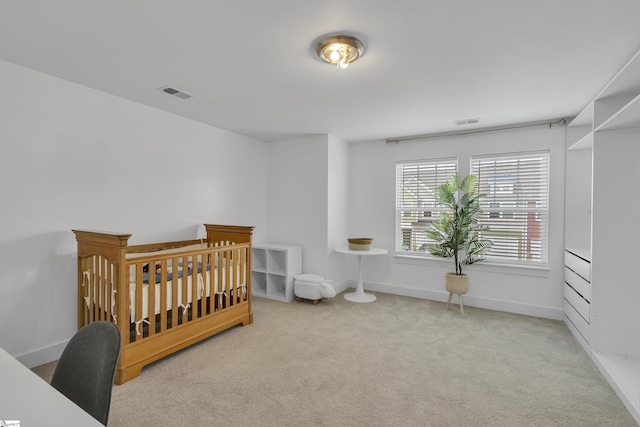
<point>360,295</point>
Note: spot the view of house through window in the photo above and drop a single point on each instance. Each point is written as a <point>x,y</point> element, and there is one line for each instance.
<point>515,205</point>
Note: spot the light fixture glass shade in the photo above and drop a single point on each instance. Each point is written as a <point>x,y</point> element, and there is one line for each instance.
<point>340,50</point>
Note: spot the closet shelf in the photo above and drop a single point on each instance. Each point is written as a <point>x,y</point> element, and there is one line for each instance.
<point>623,373</point>
<point>584,118</point>
<point>626,117</point>
<point>626,82</point>
<point>583,143</point>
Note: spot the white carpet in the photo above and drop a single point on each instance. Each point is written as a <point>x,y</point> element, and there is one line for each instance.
<point>398,361</point>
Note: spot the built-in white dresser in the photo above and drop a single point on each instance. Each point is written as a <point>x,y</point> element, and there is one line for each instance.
<point>577,294</point>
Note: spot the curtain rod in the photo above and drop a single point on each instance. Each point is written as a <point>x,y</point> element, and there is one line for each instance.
<point>559,122</point>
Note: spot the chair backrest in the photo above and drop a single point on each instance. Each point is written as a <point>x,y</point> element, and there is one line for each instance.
<point>87,367</point>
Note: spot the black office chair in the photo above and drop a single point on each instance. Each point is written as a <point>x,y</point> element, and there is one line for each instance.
<point>87,367</point>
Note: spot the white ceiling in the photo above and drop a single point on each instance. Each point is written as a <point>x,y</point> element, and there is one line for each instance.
<point>251,66</point>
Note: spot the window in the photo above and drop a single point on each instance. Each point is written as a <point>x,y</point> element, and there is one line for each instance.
<point>416,207</point>
<point>515,206</point>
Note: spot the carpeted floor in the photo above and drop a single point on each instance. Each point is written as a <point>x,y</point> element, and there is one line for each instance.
<point>398,361</point>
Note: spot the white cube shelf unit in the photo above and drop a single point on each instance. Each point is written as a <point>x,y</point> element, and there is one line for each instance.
<point>274,267</point>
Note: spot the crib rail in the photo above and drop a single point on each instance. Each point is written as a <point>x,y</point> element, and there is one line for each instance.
<point>171,290</point>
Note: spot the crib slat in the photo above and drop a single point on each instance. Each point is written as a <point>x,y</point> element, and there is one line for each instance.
<point>202,294</point>
<point>86,279</point>
<point>107,292</point>
<point>226,281</point>
<point>138,311</point>
<point>174,296</point>
<point>195,285</point>
<point>242,279</point>
<point>95,277</point>
<point>206,273</point>
<point>91,279</point>
<point>185,286</point>
<point>210,306</point>
<point>95,265</point>
<point>103,284</point>
<point>233,279</point>
<point>99,286</point>
<point>238,272</point>
<point>221,287</point>
<point>96,289</point>
<point>163,300</point>
<point>123,293</point>
<point>104,302</point>
<point>151,297</point>
<point>216,265</point>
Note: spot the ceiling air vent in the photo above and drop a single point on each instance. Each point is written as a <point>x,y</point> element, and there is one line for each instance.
<point>176,92</point>
<point>466,121</point>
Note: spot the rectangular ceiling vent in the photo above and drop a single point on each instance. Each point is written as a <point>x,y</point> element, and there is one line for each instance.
<point>176,92</point>
<point>466,122</point>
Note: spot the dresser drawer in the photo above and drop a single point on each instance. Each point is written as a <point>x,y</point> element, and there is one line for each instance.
<point>576,320</point>
<point>578,265</point>
<point>577,302</point>
<point>578,283</point>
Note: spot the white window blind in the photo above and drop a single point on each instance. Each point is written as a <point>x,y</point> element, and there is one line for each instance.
<point>416,208</point>
<point>515,206</point>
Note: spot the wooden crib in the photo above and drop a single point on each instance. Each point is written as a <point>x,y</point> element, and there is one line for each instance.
<point>166,296</point>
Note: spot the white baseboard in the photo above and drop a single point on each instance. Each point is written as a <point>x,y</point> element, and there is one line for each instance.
<point>341,287</point>
<point>42,356</point>
<point>469,300</point>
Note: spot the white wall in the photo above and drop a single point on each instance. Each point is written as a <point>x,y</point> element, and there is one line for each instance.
<point>308,201</point>
<point>297,202</point>
<point>337,211</point>
<point>372,214</point>
<point>73,157</point>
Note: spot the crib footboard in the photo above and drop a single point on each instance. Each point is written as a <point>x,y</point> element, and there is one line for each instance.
<point>164,297</point>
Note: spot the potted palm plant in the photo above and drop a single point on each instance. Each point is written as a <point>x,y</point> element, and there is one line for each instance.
<point>456,233</point>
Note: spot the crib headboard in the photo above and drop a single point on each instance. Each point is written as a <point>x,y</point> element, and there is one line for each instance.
<point>105,251</point>
<point>217,233</point>
<point>106,243</point>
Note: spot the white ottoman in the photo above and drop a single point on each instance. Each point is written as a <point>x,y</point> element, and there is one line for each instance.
<point>313,287</point>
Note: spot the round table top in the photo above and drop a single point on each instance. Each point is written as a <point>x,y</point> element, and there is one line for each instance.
<point>372,251</point>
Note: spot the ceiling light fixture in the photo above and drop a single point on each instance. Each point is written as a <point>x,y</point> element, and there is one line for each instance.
<point>340,50</point>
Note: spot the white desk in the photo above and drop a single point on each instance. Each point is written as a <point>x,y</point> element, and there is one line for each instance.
<point>26,397</point>
<point>359,295</point>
